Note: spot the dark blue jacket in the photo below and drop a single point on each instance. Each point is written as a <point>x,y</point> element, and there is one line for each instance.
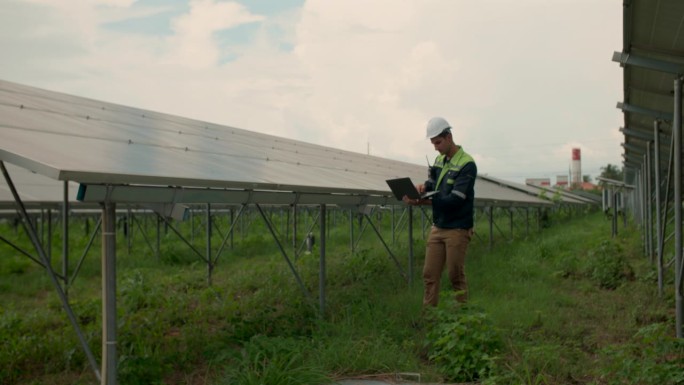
<point>452,206</point>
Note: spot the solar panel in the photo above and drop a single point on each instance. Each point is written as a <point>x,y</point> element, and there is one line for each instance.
<point>65,137</point>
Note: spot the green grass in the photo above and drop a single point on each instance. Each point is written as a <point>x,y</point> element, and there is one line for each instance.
<point>560,305</point>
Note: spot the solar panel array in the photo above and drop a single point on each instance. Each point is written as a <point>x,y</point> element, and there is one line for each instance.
<point>65,137</point>
<point>652,58</point>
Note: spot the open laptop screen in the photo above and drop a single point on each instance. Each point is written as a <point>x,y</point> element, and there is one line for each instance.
<point>404,186</point>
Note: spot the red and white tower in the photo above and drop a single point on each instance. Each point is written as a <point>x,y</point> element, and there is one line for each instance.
<point>576,167</point>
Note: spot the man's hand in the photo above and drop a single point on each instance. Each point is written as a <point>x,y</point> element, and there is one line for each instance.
<point>414,202</point>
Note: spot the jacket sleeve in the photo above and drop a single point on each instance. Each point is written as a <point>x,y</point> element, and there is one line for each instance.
<point>462,189</point>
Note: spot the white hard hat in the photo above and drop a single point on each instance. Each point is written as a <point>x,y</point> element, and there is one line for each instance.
<point>436,126</point>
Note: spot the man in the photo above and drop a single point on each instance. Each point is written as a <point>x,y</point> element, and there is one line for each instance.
<point>453,176</point>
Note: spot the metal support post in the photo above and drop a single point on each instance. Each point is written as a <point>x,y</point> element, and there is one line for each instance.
<point>327,227</point>
<point>640,186</point>
<point>394,235</point>
<point>666,209</point>
<point>656,174</point>
<point>322,268</point>
<point>649,199</point>
<point>232,220</point>
<point>192,224</point>
<point>635,197</point>
<point>158,249</point>
<point>351,230</point>
<point>491,227</point>
<point>286,222</point>
<point>410,245</point>
<point>210,264</point>
<point>644,209</point>
<point>294,228</point>
<point>49,234</point>
<point>613,203</point>
<point>65,238</point>
<point>129,230</point>
<point>109,359</point>
<point>677,136</point>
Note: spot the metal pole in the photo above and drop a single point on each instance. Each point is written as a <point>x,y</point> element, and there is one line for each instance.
<point>666,208</point>
<point>109,359</point>
<point>677,132</point>
<point>410,244</point>
<point>327,228</point>
<point>394,235</point>
<point>129,230</point>
<point>49,234</point>
<point>242,225</point>
<point>294,228</point>
<point>613,197</point>
<point>656,173</point>
<point>644,209</point>
<point>649,199</point>
<point>286,222</point>
<point>321,270</point>
<point>210,265</point>
<point>640,175</point>
<point>635,197</point>
<point>232,220</point>
<point>491,227</point>
<point>192,224</point>
<point>42,231</point>
<point>624,208</point>
<point>351,230</point>
<point>65,238</point>
<point>158,251</point>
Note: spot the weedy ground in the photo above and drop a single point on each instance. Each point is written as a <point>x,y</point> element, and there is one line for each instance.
<point>561,303</point>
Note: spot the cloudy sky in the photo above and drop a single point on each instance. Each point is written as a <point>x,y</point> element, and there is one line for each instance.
<point>521,81</point>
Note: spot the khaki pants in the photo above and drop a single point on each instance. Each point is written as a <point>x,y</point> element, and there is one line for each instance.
<point>445,246</point>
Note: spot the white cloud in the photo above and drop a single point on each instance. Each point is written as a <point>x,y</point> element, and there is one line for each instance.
<point>519,81</point>
<point>193,44</point>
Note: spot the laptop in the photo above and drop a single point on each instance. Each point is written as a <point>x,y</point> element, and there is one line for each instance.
<point>404,186</point>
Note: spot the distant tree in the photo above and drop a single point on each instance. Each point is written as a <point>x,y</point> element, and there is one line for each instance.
<point>586,178</point>
<point>612,172</point>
